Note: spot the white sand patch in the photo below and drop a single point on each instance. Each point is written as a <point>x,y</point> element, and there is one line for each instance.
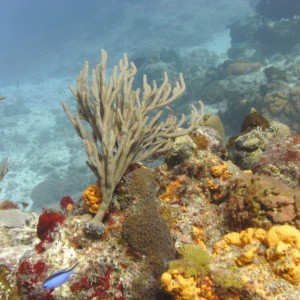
<point>35,136</point>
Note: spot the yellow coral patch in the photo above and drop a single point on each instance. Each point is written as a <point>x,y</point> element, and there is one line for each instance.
<point>260,234</point>
<point>179,287</point>
<point>247,172</point>
<point>212,186</point>
<point>221,171</point>
<point>92,197</point>
<point>197,237</point>
<point>233,238</point>
<point>280,247</point>
<point>284,233</point>
<point>172,189</point>
<point>246,257</point>
<point>218,170</point>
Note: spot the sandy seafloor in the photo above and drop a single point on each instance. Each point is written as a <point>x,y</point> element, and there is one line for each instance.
<point>36,136</point>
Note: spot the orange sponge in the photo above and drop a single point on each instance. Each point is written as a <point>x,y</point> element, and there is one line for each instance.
<point>92,197</point>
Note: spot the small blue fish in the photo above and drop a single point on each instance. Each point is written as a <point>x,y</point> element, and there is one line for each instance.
<point>248,70</point>
<point>58,278</point>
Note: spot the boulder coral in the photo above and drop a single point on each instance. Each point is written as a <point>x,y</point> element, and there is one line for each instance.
<point>261,201</point>
<point>214,121</point>
<point>146,233</point>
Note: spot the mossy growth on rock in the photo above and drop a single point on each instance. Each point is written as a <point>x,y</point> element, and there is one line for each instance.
<point>194,261</point>
<point>227,279</point>
<point>8,288</point>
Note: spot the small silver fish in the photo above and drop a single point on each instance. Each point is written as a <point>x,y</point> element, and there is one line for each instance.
<point>58,278</point>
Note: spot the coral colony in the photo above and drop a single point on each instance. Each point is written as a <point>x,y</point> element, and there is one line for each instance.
<point>213,221</point>
<point>122,132</point>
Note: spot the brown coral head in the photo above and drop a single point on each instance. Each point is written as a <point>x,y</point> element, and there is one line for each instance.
<point>141,182</point>
<point>254,120</point>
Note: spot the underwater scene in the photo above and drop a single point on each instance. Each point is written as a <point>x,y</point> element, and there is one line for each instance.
<point>149,150</point>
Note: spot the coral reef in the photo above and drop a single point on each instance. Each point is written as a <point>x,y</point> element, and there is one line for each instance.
<point>262,201</point>
<point>7,288</point>
<point>244,149</point>
<point>182,149</point>
<point>280,100</point>
<point>186,201</point>
<point>281,159</point>
<point>274,74</point>
<point>186,278</point>
<point>279,247</point>
<point>6,204</point>
<point>265,36</point>
<point>122,261</point>
<point>28,277</point>
<point>208,138</point>
<point>101,264</point>
<point>168,231</point>
<point>195,257</point>
<point>266,148</point>
<point>214,121</point>
<point>211,172</point>
<point>13,218</point>
<point>237,96</point>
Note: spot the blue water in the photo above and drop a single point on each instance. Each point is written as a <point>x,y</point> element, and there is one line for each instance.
<point>43,45</point>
